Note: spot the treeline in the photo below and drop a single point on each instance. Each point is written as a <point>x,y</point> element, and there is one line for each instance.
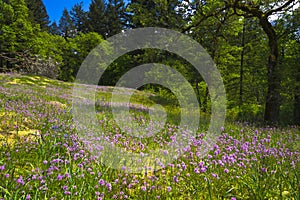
<point>255,45</point>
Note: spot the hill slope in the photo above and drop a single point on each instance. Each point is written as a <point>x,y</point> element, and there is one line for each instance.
<point>42,155</point>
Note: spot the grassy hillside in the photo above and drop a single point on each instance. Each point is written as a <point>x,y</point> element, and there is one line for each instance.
<point>42,156</point>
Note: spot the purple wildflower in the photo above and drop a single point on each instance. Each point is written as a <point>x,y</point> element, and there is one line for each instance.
<point>20,180</point>
<point>169,188</point>
<point>203,169</point>
<point>109,187</point>
<point>214,175</point>
<point>101,182</point>
<point>175,178</point>
<point>60,177</point>
<point>264,169</point>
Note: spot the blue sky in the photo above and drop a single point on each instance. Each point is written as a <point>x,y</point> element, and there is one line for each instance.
<point>55,7</point>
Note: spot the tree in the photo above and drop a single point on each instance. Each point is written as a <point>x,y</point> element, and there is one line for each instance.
<point>289,60</point>
<point>16,31</point>
<point>115,17</point>
<point>262,11</point>
<point>167,14</point>
<point>296,37</point>
<point>96,17</point>
<point>54,29</point>
<point>79,18</point>
<point>7,36</point>
<point>142,13</point>
<point>66,26</point>
<point>48,54</point>
<point>254,85</point>
<point>75,51</point>
<point>38,14</point>
<point>296,105</point>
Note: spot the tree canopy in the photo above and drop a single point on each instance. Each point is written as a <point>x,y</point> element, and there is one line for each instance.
<point>255,45</point>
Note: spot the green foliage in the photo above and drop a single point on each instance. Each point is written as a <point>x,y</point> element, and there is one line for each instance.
<point>8,36</point>
<point>47,45</point>
<point>75,51</point>
<point>115,18</point>
<point>66,25</point>
<point>247,112</point>
<point>38,14</point>
<point>216,25</point>
<point>16,31</point>
<point>54,29</point>
<point>96,17</point>
<point>79,18</point>
<point>156,13</point>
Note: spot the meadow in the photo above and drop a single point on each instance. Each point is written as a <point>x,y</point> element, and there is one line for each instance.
<point>42,157</point>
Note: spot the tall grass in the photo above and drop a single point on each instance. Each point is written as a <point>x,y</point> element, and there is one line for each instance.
<point>42,157</point>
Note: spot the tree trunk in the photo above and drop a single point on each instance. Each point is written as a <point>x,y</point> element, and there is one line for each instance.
<point>198,92</point>
<point>297,107</point>
<point>242,65</point>
<point>1,65</point>
<point>273,96</point>
<point>297,99</point>
<point>205,100</point>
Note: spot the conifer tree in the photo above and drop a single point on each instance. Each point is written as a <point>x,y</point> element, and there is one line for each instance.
<point>79,18</point>
<point>115,17</point>
<point>16,31</point>
<point>66,26</point>
<point>96,17</point>
<point>54,29</point>
<point>38,13</point>
<point>167,14</point>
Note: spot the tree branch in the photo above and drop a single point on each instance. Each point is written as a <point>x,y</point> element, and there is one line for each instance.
<point>246,15</point>
<point>279,8</point>
<point>254,11</point>
<point>197,23</point>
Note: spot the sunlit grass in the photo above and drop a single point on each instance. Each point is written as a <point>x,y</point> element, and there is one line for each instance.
<point>42,156</point>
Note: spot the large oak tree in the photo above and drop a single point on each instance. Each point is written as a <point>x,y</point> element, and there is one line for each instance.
<point>261,10</point>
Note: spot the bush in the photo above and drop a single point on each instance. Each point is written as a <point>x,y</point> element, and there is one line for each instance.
<point>44,67</point>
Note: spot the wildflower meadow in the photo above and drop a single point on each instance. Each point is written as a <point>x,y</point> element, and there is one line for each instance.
<point>42,157</point>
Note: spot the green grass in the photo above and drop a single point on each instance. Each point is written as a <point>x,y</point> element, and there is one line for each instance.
<point>43,157</point>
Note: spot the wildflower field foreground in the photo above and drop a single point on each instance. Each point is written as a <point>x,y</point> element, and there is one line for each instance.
<point>42,157</point>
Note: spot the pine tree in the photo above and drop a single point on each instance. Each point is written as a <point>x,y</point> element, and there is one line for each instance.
<point>96,17</point>
<point>66,26</point>
<point>79,18</point>
<point>54,29</point>
<point>115,17</point>
<point>16,31</point>
<point>159,13</point>
<point>38,14</point>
